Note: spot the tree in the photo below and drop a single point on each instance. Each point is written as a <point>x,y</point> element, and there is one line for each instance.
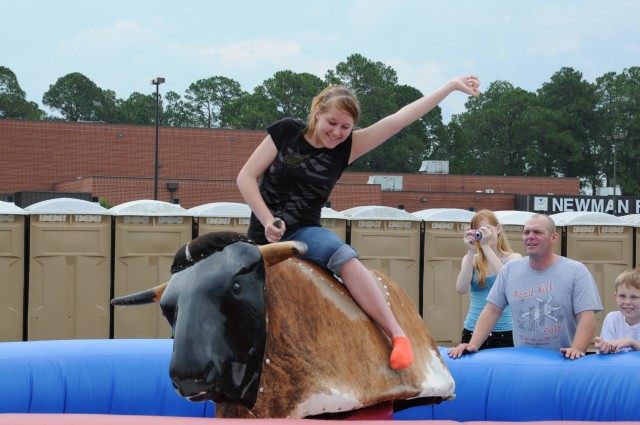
<point>206,98</point>
<point>458,150</point>
<point>75,97</point>
<point>619,102</point>
<point>405,151</point>
<point>286,94</point>
<point>109,108</point>
<point>544,131</point>
<point>177,112</point>
<point>13,102</point>
<point>292,93</point>
<point>578,144</point>
<point>139,109</point>
<point>253,111</point>
<point>630,147</point>
<point>496,130</point>
<point>437,135</point>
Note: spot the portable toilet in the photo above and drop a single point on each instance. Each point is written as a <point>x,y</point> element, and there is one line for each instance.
<point>335,221</point>
<point>147,236</point>
<point>388,239</point>
<point>12,231</point>
<point>69,270</point>
<point>603,243</point>
<point>634,219</point>
<point>221,216</point>
<point>443,308</point>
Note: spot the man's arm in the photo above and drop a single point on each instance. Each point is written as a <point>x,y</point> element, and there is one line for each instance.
<point>487,320</point>
<point>585,332</point>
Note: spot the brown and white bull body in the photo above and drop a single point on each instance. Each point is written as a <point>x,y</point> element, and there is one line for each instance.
<point>324,354</point>
<point>320,353</point>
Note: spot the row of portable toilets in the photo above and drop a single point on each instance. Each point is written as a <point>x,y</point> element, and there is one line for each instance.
<point>63,260</point>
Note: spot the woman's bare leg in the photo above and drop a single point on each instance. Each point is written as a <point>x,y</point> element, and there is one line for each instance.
<point>364,290</point>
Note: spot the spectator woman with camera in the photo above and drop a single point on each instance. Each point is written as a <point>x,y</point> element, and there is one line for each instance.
<point>487,252</point>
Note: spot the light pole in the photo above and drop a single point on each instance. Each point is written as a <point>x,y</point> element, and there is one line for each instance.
<point>614,138</point>
<point>614,176</point>
<point>157,83</point>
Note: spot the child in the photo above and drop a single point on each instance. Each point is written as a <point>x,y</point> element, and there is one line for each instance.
<point>621,329</point>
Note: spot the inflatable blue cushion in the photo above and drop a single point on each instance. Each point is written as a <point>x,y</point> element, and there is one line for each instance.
<point>527,384</point>
<point>127,377</point>
<point>130,377</point>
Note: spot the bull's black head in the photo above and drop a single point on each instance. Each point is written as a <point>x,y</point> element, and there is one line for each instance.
<point>216,310</point>
<point>215,305</point>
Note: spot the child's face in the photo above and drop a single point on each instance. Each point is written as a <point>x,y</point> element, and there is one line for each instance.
<point>628,300</point>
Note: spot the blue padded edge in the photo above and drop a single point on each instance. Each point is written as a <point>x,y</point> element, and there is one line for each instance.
<point>528,384</point>
<point>130,377</point>
<point>127,377</point>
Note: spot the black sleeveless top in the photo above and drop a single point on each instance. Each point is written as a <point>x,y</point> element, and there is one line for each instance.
<point>299,182</point>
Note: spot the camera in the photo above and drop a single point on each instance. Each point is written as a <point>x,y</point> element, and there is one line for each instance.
<point>478,235</point>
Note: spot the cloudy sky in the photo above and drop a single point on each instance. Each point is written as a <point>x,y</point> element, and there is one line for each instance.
<point>122,45</point>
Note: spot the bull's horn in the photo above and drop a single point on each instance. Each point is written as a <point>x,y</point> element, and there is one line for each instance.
<point>143,297</point>
<point>276,252</point>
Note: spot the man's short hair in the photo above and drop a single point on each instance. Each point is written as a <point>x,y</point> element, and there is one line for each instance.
<point>550,226</point>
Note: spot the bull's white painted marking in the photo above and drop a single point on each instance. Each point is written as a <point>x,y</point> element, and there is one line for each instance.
<point>438,381</point>
<point>317,403</point>
<point>339,298</point>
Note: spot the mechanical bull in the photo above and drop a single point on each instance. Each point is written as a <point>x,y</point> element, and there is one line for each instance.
<point>266,335</point>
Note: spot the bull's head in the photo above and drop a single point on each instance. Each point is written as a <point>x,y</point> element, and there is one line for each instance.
<point>216,311</point>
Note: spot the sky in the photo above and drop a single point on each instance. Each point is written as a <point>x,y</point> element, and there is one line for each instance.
<point>123,45</point>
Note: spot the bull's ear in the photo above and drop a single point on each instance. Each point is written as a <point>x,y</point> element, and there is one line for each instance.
<point>143,297</point>
<point>276,252</point>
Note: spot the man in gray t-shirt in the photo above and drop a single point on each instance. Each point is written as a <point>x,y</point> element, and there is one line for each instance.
<point>553,299</point>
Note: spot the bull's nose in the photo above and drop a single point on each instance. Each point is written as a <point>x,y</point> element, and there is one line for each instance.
<point>194,388</point>
<point>189,387</point>
<point>194,392</point>
<point>191,383</point>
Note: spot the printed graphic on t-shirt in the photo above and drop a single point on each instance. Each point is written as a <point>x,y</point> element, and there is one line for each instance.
<point>537,314</point>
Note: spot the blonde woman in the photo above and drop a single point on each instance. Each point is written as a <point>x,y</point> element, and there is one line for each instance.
<point>291,174</point>
<point>487,252</point>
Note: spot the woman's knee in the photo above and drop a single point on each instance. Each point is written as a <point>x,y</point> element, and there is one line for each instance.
<point>323,245</point>
<point>340,258</point>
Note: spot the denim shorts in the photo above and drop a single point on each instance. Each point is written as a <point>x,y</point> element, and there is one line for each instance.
<point>323,247</point>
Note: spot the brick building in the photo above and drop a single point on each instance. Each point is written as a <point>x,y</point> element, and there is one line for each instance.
<point>116,163</point>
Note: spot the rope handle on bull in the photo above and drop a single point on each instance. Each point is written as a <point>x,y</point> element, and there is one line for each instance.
<point>277,222</point>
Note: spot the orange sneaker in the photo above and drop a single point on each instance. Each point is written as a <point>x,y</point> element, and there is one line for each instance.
<point>401,354</point>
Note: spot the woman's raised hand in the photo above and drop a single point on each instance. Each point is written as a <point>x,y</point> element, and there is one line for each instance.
<point>469,84</point>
